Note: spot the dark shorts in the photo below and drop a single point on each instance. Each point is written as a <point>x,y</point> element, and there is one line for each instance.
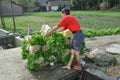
<point>77,41</point>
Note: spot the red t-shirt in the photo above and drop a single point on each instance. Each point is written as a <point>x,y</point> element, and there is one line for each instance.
<point>69,22</point>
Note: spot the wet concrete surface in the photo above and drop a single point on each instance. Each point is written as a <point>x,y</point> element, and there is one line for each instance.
<point>12,67</point>
<point>100,74</point>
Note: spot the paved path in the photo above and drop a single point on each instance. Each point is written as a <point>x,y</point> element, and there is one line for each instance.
<point>12,67</point>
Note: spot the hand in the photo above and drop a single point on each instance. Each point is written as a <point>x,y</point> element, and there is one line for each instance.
<point>52,30</point>
<point>48,34</point>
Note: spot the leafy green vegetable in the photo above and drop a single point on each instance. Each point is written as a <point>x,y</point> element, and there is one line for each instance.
<point>56,44</point>
<point>109,31</point>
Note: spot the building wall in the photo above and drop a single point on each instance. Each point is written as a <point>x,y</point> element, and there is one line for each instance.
<point>7,10</point>
<point>56,4</point>
<point>54,8</point>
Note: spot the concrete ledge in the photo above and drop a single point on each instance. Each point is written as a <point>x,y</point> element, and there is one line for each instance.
<point>3,32</point>
<point>17,41</point>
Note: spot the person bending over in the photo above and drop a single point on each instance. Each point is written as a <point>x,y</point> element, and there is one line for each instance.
<point>70,22</point>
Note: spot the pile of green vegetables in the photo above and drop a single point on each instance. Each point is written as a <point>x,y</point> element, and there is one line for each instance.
<point>57,47</point>
<point>101,32</point>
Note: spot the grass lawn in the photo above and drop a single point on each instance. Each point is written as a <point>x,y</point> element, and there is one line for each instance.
<point>88,19</point>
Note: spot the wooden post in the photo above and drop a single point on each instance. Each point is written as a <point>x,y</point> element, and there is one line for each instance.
<point>2,17</point>
<point>14,25</point>
<point>28,32</point>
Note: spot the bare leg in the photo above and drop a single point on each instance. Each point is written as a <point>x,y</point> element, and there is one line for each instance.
<point>77,67</point>
<point>68,66</point>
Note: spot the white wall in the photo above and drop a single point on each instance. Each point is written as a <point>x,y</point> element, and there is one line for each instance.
<point>54,8</point>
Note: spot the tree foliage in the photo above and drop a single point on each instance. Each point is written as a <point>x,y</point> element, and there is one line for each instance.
<point>26,3</point>
<point>93,4</point>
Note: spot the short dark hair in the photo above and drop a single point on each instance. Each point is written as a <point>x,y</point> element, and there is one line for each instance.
<point>66,11</point>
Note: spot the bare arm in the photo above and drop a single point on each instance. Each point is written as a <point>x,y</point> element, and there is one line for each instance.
<point>60,29</point>
<point>52,30</point>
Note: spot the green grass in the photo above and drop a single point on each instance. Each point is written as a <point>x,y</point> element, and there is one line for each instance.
<point>97,13</point>
<point>92,13</point>
<point>97,20</point>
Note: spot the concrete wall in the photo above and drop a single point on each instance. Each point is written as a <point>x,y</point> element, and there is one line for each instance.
<point>3,32</point>
<point>17,39</point>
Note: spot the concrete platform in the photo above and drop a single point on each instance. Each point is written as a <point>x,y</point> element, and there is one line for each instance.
<point>12,67</point>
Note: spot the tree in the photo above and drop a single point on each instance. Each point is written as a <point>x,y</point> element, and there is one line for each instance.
<point>26,3</point>
<point>14,26</point>
<point>77,4</point>
<point>113,4</point>
<point>14,29</point>
<point>85,4</point>
<point>82,4</point>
